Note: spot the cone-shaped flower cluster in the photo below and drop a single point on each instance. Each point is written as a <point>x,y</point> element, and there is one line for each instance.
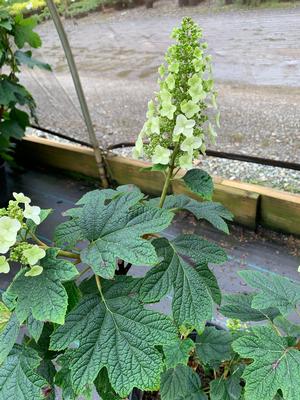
<point>180,112</point>
<point>13,231</point>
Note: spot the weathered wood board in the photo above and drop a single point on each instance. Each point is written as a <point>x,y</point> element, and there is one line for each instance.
<point>250,204</point>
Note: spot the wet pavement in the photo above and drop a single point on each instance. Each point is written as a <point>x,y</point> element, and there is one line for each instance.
<point>256,58</point>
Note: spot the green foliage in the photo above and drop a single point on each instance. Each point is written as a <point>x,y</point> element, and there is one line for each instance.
<point>227,388</point>
<point>199,182</point>
<point>131,360</point>
<point>239,306</point>
<point>277,291</point>
<point>15,33</point>
<point>178,352</point>
<point>18,379</point>
<point>8,336</point>
<point>48,298</point>
<point>181,383</point>
<point>213,345</point>
<point>101,332</point>
<point>276,364</point>
<point>192,299</point>
<point>212,212</point>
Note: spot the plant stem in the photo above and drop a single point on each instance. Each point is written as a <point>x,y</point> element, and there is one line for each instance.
<point>61,253</point>
<point>83,272</point>
<point>39,242</point>
<point>69,254</point>
<point>168,177</point>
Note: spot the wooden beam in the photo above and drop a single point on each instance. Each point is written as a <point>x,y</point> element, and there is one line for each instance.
<point>278,210</point>
<point>125,170</point>
<point>250,204</point>
<point>39,151</point>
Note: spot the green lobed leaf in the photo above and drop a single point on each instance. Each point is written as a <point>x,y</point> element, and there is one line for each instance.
<point>238,306</point>
<point>63,377</point>
<point>18,379</point>
<point>213,345</point>
<point>199,182</point>
<point>227,388</point>
<point>274,291</point>
<point>8,337</point>
<point>192,299</point>
<point>35,327</point>
<point>115,230</point>
<point>12,93</point>
<point>211,282</point>
<point>287,326</point>
<point>276,365</point>
<point>181,383</point>
<point>25,57</point>
<point>67,234</point>
<point>23,32</point>
<point>48,299</point>
<point>212,212</point>
<point>104,388</point>
<point>118,334</point>
<point>178,352</point>
<point>199,250</point>
<point>47,370</point>
<point>15,125</point>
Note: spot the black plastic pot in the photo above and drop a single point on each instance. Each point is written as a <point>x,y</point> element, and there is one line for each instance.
<point>3,184</point>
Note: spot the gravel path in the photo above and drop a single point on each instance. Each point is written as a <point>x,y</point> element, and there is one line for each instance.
<point>256,63</point>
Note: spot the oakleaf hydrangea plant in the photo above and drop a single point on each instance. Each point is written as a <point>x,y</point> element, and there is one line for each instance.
<point>76,314</point>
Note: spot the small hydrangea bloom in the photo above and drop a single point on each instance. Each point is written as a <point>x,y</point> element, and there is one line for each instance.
<point>154,125</point>
<point>183,126</point>
<point>33,213</point>
<point>168,110</point>
<point>34,271</point>
<point>21,198</point>
<point>165,96</point>
<point>161,155</point>
<point>9,228</point>
<point>197,93</point>
<point>4,266</point>
<point>190,144</point>
<point>170,81</point>
<point>186,161</point>
<point>34,254</point>
<point>174,67</point>
<point>198,64</point>
<point>138,149</point>
<point>189,108</point>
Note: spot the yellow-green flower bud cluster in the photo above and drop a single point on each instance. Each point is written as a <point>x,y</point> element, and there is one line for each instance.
<point>13,230</point>
<point>179,114</point>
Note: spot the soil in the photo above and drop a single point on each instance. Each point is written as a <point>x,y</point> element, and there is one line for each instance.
<point>256,65</point>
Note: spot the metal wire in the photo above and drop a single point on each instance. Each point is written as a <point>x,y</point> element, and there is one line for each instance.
<point>210,153</point>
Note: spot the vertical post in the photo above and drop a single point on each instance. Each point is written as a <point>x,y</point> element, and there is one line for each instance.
<point>80,94</point>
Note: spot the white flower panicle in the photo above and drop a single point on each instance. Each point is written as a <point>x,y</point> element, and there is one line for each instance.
<point>9,228</point>
<point>179,117</point>
<point>12,239</point>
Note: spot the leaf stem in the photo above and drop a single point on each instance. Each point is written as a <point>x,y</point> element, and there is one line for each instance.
<point>39,242</point>
<point>62,253</point>
<point>169,176</point>
<point>83,272</point>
